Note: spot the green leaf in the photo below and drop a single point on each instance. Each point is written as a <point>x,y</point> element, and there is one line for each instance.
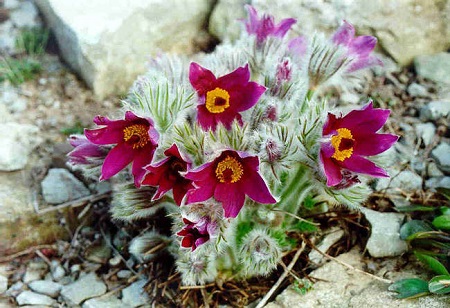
<point>442,222</point>
<point>414,208</point>
<point>409,288</point>
<point>412,227</point>
<point>444,191</point>
<point>433,263</point>
<point>439,284</point>
<point>445,210</point>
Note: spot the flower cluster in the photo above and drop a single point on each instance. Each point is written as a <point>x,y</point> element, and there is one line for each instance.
<point>226,143</point>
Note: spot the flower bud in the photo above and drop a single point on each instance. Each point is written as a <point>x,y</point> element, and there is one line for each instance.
<point>147,246</point>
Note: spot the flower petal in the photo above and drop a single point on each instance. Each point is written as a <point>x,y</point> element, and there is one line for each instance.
<point>232,198</point>
<point>235,79</point>
<point>201,78</point>
<point>284,26</point>
<point>373,144</point>
<point>359,164</point>
<point>141,159</point>
<point>331,170</point>
<point>117,159</point>
<point>256,188</point>
<point>204,192</point>
<point>253,21</point>
<point>202,173</point>
<point>180,190</point>
<point>362,45</point>
<point>106,135</point>
<point>206,119</point>
<point>344,34</point>
<point>364,121</point>
<point>248,96</point>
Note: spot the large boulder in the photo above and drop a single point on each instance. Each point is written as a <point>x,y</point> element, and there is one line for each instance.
<point>109,43</point>
<point>404,29</point>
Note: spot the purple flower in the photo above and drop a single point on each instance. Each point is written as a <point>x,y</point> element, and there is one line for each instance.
<point>265,26</point>
<point>85,152</point>
<point>166,175</point>
<point>349,139</point>
<point>136,140</point>
<point>229,178</point>
<point>359,48</point>
<point>298,46</point>
<point>221,99</point>
<point>197,233</point>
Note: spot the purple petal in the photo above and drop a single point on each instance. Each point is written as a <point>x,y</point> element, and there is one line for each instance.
<point>359,164</point>
<point>105,135</point>
<point>201,78</point>
<point>206,119</point>
<point>283,27</point>
<point>332,171</point>
<point>232,198</point>
<point>362,45</point>
<point>364,121</point>
<point>344,34</point>
<point>141,159</point>
<point>117,159</point>
<point>361,63</point>
<point>236,78</point>
<point>202,173</point>
<point>253,21</point>
<point>247,97</point>
<point>330,125</point>
<point>180,190</point>
<point>373,144</point>
<point>298,46</point>
<point>202,193</point>
<point>256,188</point>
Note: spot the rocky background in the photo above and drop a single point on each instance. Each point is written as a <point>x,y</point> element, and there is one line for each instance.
<point>96,50</point>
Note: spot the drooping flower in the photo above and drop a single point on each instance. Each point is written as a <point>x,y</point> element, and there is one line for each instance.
<point>197,233</point>
<point>221,99</point>
<point>166,175</point>
<point>265,27</point>
<point>136,140</point>
<point>229,178</point>
<point>359,48</point>
<point>85,152</point>
<point>348,139</point>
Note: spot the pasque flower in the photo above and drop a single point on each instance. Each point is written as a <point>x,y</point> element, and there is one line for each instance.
<point>85,152</point>
<point>348,139</point>
<point>197,233</point>
<point>229,178</point>
<point>221,99</point>
<point>359,48</point>
<point>135,138</point>
<point>265,27</point>
<point>166,175</point>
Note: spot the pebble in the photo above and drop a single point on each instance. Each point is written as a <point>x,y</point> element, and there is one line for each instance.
<point>435,67</point>
<point>3,284</point>
<point>15,289</point>
<point>124,274</point>
<point>443,181</point>
<point>134,295</point>
<point>418,164</point>
<point>85,287</point>
<point>26,16</point>
<point>45,287</point>
<point>441,154</point>
<point>58,271</point>
<point>435,110</point>
<point>417,90</point>
<point>433,170</point>
<point>426,132</point>
<point>60,186</point>
<point>35,271</point>
<point>384,240</point>
<point>31,298</point>
<point>102,302</point>
<point>406,180</point>
<point>329,240</point>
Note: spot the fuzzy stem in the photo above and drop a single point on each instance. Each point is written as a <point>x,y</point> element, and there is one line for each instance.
<point>290,196</point>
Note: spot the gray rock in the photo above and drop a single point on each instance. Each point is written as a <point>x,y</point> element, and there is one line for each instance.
<point>406,180</point>
<point>15,289</point>
<point>418,164</point>
<point>16,143</point>
<point>404,29</point>
<point>441,154</point>
<point>11,4</point>
<point>3,284</point>
<point>58,272</point>
<point>8,34</point>
<point>426,132</point>
<point>61,186</point>
<point>329,240</point>
<point>417,90</point>
<point>45,287</point>
<point>31,298</point>
<point>35,271</point>
<point>384,240</point>
<point>12,100</point>
<point>134,295</point>
<point>101,302</point>
<point>26,15</point>
<point>97,53</point>
<point>443,181</point>
<point>433,170</point>
<point>435,110</point>
<point>85,287</point>
<point>124,274</point>
<point>435,67</point>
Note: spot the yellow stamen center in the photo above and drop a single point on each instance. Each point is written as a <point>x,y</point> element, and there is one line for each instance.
<point>342,144</point>
<point>229,170</point>
<point>217,100</point>
<point>137,135</point>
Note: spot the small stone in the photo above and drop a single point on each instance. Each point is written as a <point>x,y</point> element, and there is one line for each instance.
<point>85,287</point>
<point>58,272</point>
<point>443,181</point>
<point>15,289</point>
<point>329,240</point>
<point>384,240</point>
<point>3,284</point>
<point>45,287</point>
<point>426,132</point>
<point>135,295</point>
<point>115,261</point>
<point>434,67</point>
<point>11,4</point>
<point>433,170</point>
<point>26,15</point>
<point>441,154</point>
<point>124,274</point>
<point>31,298</point>
<point>35,271</point>
<point>101,302</point>
<point>406,180</point>
<point>435,110</point>
<point>418,164</point>
<point>417,90</point>
<point>61,186</point>
<point>75,268</point>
